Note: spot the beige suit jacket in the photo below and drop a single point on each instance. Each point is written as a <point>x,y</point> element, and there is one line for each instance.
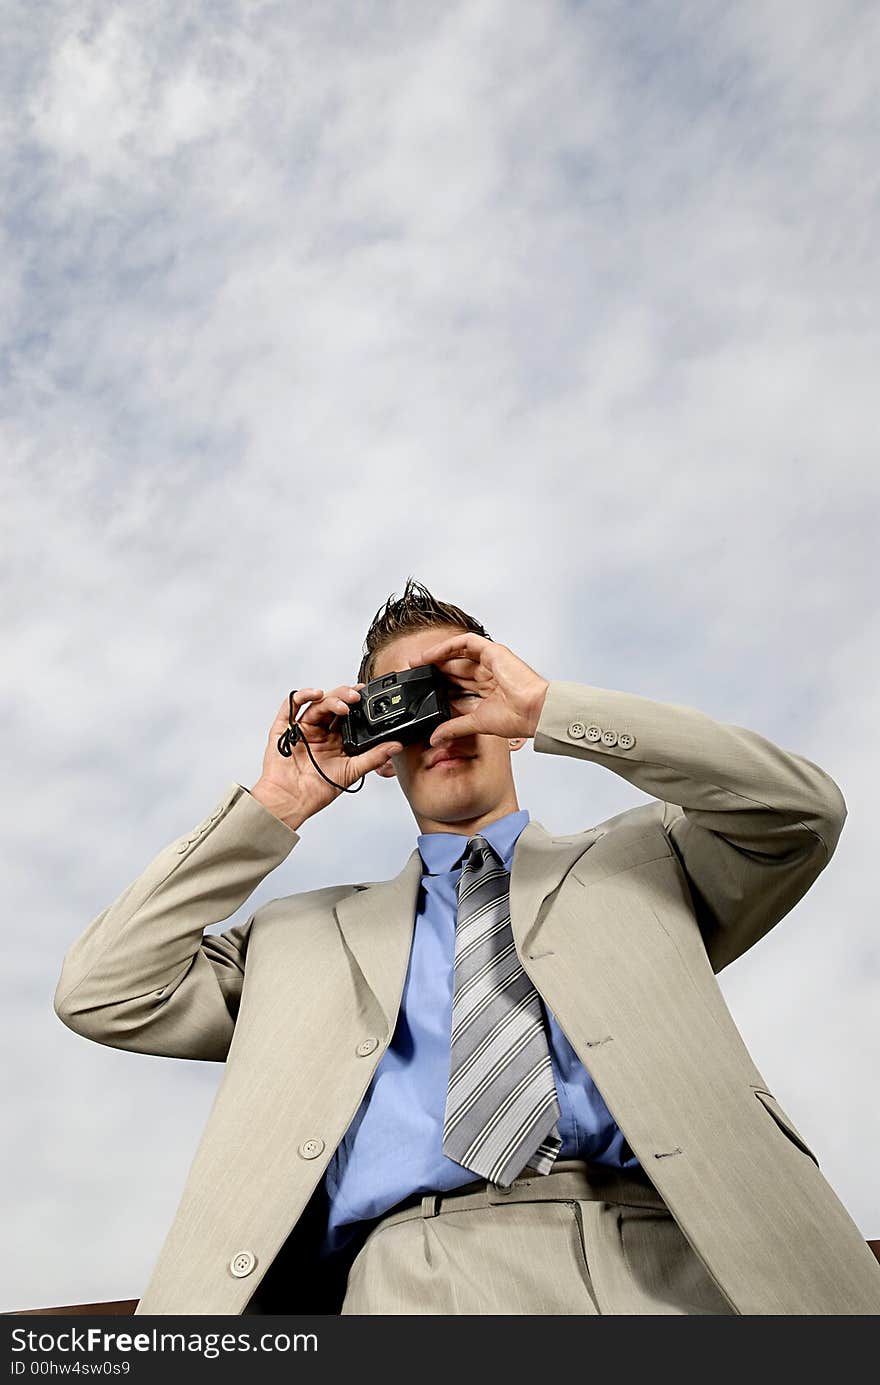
<point>622,929</point>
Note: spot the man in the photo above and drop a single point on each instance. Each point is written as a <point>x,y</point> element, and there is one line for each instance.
<point>506,1080</point>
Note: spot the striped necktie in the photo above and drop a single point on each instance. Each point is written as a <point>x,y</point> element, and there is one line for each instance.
<point>501,1105</point>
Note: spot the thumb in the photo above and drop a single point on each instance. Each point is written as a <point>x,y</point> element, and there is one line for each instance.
<point>453,729</point>
<point>375,758</point>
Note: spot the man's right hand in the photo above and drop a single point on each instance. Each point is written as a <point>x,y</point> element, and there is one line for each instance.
<point>292,788</point>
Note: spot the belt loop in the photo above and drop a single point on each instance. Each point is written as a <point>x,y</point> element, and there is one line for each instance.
<point>429,1205</point>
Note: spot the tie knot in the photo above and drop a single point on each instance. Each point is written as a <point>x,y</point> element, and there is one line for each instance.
<point>478,851</point>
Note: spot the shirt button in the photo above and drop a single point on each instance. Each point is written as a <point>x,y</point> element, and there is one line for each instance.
<point>310,1149</point>
<point>626,741</point>
<point>242,1263</point>
<point>609,738</point>
<point>366,1046</point>
<point>576,730</point>
<point>594,732</point>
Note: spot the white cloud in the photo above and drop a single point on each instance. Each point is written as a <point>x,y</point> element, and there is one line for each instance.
<point>573,318</point>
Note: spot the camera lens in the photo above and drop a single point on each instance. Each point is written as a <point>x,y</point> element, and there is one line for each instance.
<point>381,706</point>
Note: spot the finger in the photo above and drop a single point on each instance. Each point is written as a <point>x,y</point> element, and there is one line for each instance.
<point>324,714</point>
<point>463,671</point>
<point>459,663</point>
<point>375,758</point>
<point>301,696</point>
<point>454,729</point>
<point>467,668</point>
<point>342,701</point>
<point>466,644</point>
<point>322,718</point>
<point>344,693</point>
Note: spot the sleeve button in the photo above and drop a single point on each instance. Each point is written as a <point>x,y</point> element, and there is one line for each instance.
<point>310,1149</point>
<point>609,738</point>
<point>594,732</point>
<point>366,1047</point>
<point>626,741</point>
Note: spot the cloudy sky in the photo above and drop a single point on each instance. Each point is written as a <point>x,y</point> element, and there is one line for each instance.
<point>567,309</point>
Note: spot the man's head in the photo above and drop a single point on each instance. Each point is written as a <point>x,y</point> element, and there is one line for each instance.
<point>461,794</point>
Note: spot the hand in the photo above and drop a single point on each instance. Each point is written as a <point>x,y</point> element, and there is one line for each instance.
<point>506,694</point>
<point>292,788</point>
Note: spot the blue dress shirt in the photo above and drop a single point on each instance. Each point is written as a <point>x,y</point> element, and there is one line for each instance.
<point>392,1149</point>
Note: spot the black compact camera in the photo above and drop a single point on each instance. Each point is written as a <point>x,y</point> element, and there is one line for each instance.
<point>403,707</point>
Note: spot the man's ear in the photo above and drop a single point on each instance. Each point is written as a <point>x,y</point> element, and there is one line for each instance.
<point>386,771</point>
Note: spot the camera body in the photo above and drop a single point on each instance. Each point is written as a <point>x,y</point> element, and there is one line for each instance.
<point>404,706</point>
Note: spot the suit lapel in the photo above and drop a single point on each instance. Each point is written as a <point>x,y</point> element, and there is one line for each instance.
<point>377,924</point>
<point>377,921</point>
<point>540,863</point>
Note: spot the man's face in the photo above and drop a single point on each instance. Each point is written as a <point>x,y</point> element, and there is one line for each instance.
<point>460,787</point>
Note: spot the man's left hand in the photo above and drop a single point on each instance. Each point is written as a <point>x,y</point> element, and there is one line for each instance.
<point>508,695</point>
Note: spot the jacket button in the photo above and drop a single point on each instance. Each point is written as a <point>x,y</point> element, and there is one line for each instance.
<point>242,1263</point>
<point>609,738</point>
<point>576,730</point>
<point>366,1046</point>
<point>626,741</point>
<point>310,1149</point>
<point>594,732</point>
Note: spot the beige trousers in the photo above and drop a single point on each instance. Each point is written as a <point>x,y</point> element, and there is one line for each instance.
<point>584,1239</point>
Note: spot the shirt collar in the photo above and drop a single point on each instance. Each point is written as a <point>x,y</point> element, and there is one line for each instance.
<point>442,851</point>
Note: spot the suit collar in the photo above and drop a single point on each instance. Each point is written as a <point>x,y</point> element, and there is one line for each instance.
<point>377,921</point>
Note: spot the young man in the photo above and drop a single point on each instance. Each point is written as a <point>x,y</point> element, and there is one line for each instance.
<point>506,1080</point>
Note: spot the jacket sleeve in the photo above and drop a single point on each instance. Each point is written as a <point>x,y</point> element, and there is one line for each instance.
<point>752,825</point>
<point>142,976</point>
